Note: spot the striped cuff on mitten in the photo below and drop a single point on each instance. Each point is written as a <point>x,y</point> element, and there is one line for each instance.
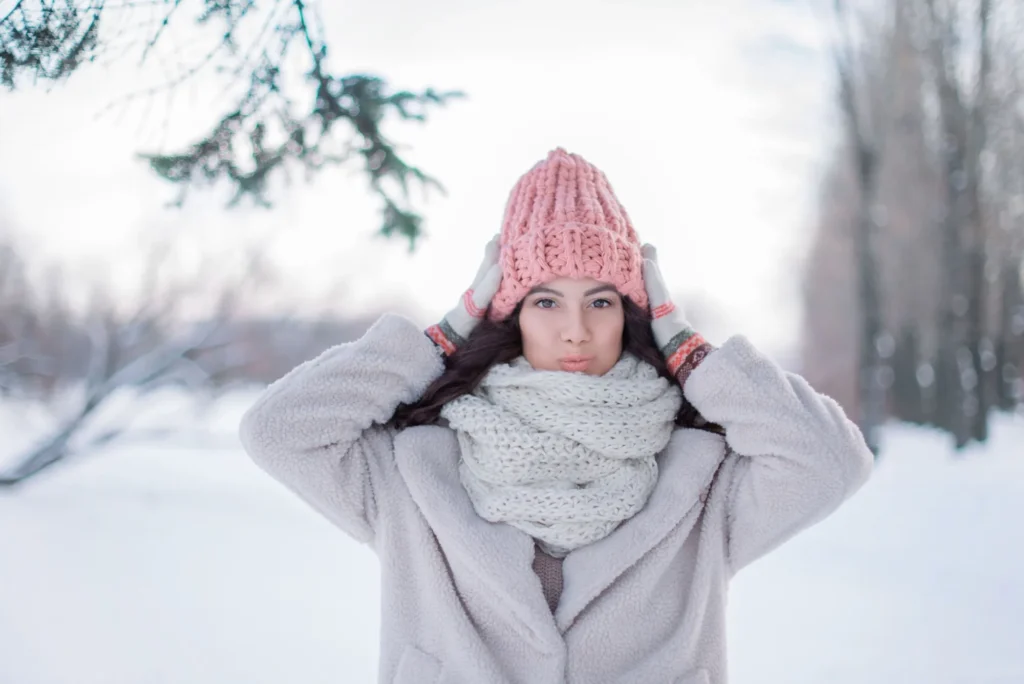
<point>445,337</point>
<point>684,352</point>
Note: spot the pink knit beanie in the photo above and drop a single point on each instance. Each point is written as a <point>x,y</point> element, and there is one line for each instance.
<point>563,220</point>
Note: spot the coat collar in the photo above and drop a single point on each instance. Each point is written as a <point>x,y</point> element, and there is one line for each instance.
<point>685,468</point>
<point>500,556</point>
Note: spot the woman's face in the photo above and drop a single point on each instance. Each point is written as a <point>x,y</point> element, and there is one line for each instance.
<point>573,325</point>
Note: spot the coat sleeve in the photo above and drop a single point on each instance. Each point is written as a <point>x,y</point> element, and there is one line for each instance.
<point>320,429</point>
<point>799,455</point>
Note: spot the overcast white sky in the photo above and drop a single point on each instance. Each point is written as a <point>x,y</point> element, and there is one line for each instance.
<point>712,121</point>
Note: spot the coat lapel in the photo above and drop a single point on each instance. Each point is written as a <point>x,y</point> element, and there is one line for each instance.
<point>686,468</point>
<point>495,555</point>
<point>500,557</point>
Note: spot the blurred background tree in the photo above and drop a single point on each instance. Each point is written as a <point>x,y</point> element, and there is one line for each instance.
<point>292,110</point>
<point>285,110</point>
<point>923,205</point>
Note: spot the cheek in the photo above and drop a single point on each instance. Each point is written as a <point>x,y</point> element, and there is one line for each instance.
<point>612,337</point>
<point>527,328</point>
<point>608,345</point>
<point>610,327</point>
<point>536,334</point>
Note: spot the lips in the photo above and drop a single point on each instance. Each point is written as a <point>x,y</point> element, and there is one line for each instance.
<point>575,364</point>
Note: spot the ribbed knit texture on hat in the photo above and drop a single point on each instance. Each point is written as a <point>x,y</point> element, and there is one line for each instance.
<point>563,220</point>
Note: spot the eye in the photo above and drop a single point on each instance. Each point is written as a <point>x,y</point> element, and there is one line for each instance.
<point>603,303</point>
<point>543,303</point>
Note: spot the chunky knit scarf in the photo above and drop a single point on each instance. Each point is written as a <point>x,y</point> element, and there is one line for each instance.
<point>565,457</point>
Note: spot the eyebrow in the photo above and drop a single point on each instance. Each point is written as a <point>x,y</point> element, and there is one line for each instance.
<point>591,291</point>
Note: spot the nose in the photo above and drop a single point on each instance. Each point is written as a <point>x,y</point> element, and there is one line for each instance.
<point>575,330</point>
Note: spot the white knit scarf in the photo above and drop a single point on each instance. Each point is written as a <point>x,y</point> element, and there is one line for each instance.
<point>564,457</point>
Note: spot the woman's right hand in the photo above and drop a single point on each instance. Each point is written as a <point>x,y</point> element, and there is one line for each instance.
<point>454,329</point>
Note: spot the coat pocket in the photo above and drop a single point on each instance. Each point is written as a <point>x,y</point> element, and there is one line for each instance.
<point>417,667</point>
<point>694,677</point>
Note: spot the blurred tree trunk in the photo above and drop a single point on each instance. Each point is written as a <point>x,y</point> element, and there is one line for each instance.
<point>1009,350</point>
<point>860,110</point>
<point>909,402</point>
<point>979,339</point>
<point>871,368</point>
<point>1005,202</point>
<point>963,403</point>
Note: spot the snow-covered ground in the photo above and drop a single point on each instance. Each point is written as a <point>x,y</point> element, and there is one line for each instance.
<point>177,561</point>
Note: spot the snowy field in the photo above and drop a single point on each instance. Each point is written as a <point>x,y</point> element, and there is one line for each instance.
<point>177,561</point>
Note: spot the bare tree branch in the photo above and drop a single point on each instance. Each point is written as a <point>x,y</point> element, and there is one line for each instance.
<point>152,348</point>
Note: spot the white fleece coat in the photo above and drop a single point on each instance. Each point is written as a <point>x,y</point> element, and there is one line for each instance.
<point>461,603</point>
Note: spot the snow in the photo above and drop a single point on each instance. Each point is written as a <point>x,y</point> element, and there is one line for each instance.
<point>179,561</point>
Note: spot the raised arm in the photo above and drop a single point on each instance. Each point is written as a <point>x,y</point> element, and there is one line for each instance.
<point>800,455</point>
<point>321,429</point>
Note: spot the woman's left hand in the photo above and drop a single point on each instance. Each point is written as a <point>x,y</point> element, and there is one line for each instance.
<point>682,346</point>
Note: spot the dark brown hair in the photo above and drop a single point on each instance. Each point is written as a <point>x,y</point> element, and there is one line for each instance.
<point>492,342</point>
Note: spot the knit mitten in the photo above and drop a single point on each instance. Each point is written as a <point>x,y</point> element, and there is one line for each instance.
<point>682,346</point>
<point>454,329</point>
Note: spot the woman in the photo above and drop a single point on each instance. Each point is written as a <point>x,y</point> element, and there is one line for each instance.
<point>561,477</point>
